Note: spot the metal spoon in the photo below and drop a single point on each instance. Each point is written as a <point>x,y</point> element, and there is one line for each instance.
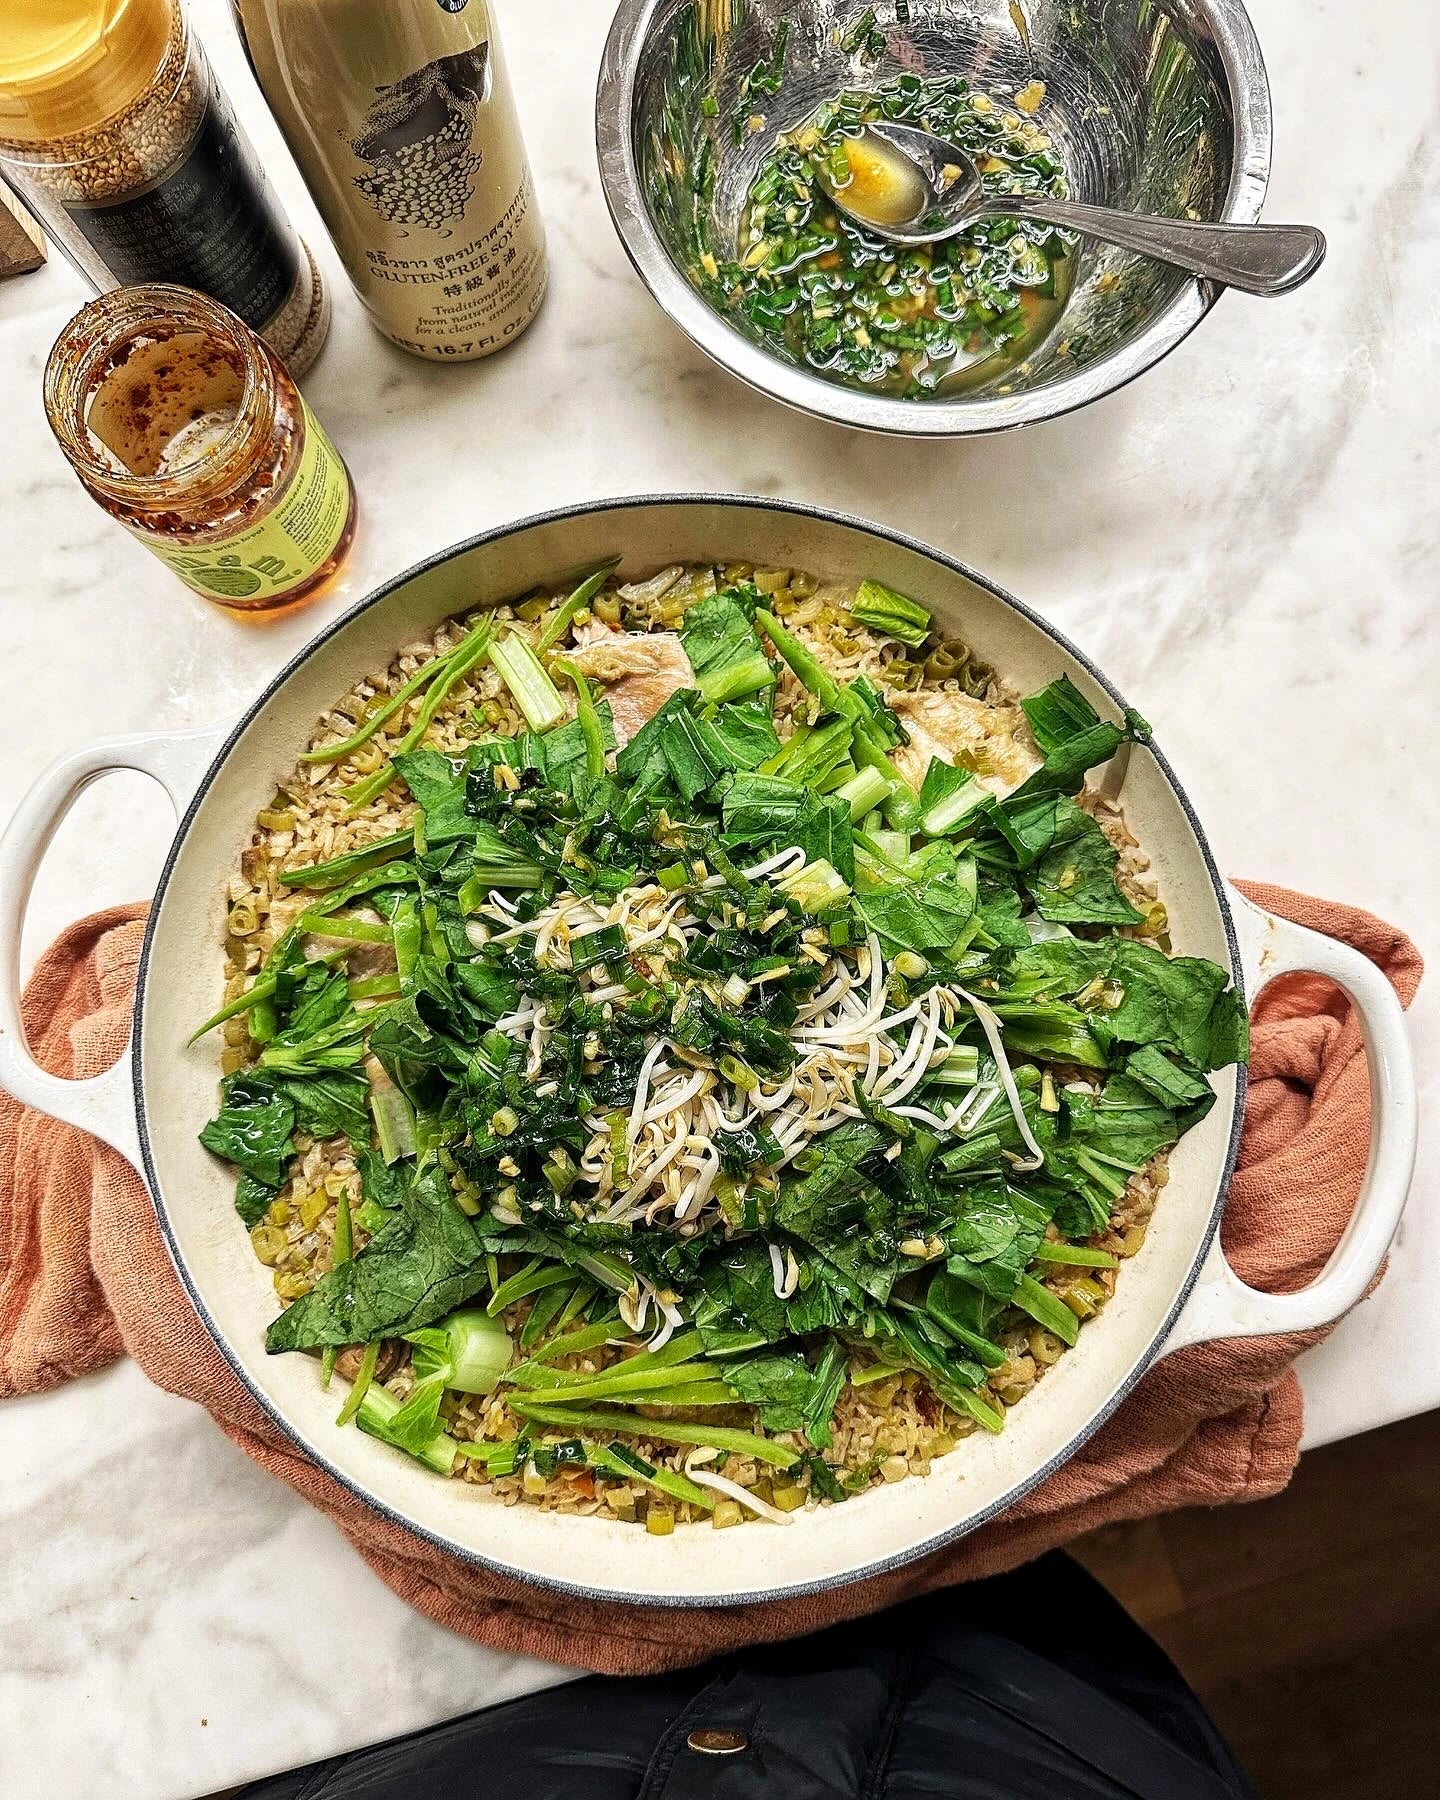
<point>948,198</point>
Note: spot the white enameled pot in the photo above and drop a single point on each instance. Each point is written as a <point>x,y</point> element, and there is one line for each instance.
<point>1179,1290</point>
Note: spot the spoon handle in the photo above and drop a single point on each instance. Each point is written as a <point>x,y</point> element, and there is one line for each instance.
<point>1259,259</point>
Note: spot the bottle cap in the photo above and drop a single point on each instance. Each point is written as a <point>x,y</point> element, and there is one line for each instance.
<point>69,66</point>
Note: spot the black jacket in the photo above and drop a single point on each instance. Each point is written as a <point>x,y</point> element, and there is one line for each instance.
<point>1030,1686</point>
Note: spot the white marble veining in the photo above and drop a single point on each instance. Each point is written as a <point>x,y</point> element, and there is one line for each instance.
<point>1246,540</point>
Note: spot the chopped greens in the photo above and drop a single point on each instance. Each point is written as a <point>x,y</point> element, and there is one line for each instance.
<point>674,1085</point>
<point>815,286</point>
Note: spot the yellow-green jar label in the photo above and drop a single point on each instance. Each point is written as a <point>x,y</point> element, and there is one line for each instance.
<point>263,562</point>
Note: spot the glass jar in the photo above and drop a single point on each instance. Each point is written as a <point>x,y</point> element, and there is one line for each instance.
<point>186,427</point>
<point>116,132</point>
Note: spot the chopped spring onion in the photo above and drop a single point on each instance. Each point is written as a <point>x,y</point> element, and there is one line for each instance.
<point>1080,1255</point>
<point>1046,1309</point>
<point>590,726</point>
<point>342,1248</point>
<point>738,1072</point>
<point>961,1068</point>
<point>376,1413</point>
<point>816,886</point>
<point>364,1375</point>
<point>580,599</point>
<point>864,791</point>
<point>605,945</point>
<point>532,689</point>
<point>458,664</point>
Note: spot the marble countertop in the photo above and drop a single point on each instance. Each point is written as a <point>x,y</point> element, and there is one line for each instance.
<point>1246,540</point>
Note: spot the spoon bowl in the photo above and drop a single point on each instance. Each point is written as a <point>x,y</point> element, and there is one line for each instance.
<point>1152,106</point>
<point>910,187</point>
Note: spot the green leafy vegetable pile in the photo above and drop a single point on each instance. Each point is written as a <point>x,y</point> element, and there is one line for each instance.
<point>721,1049</point>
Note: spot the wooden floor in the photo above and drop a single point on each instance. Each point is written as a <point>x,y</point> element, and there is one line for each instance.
<point>1309,1624</point>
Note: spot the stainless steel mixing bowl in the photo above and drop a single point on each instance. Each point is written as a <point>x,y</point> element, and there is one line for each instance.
<point>1156,105</point>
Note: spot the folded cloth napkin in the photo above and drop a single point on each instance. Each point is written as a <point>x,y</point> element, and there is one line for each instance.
<point>85,1278</point>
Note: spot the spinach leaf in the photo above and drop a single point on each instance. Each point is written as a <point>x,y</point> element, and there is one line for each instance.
<point>1074,881</point>
<point>998,909</point>
<point>423,1263</point>
<point>385,1183</point>
<point>563,752</point>
<point>992,1241</point>
<point>439,791</point>
<point>823,831</point>
<point>489,992</point>
<point>1183,1004</point>
<point>252,1199</point>
<point>747,1147</point>
<point>735,1305</point>
<point>1051,1030</point>
<point>330,1104</point>
<point>757,808</point>
<point>1131,1125</point>
<point>948,797</point>
<point>1170,1083</point>
<point>929,916</point>
<point>423,1060</point>
<point>792,1393</point>
<point>747,732</point>
<point>768,809</point>
<point>318,999</point>
<point>779,1383</point>
<point>967,1313</point>
<point>1066,766</point>
<point>842,1215</point>
<point>253,1127</point>
<point>1058,966</point>
<point>724,648</point>
<point>1057,713</point>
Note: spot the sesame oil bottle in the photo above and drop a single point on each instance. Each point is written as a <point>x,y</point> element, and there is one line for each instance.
<point>401,117</point>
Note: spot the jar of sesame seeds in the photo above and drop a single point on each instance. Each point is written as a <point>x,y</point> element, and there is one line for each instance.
<point>188,430</point>
<point>118,135</point>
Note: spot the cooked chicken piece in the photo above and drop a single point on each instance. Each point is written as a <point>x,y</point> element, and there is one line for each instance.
<point>366,960</point>
<point>593,631</point>
<point>640,670</point>
<point>347,1363</point>
<point>993,741</point>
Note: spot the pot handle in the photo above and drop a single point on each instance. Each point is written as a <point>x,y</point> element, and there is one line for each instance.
<point>1223,1306</point>
<point>102,1105</point>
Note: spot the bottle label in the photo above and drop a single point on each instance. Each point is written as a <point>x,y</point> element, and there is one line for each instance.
<point>263,562</point>
<point>211,222</point>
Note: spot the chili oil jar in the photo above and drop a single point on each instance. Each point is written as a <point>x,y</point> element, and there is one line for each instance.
<point>119,137</point>
<point>187,428</point>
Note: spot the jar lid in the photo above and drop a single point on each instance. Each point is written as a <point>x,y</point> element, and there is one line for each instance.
<point>69,66</point>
